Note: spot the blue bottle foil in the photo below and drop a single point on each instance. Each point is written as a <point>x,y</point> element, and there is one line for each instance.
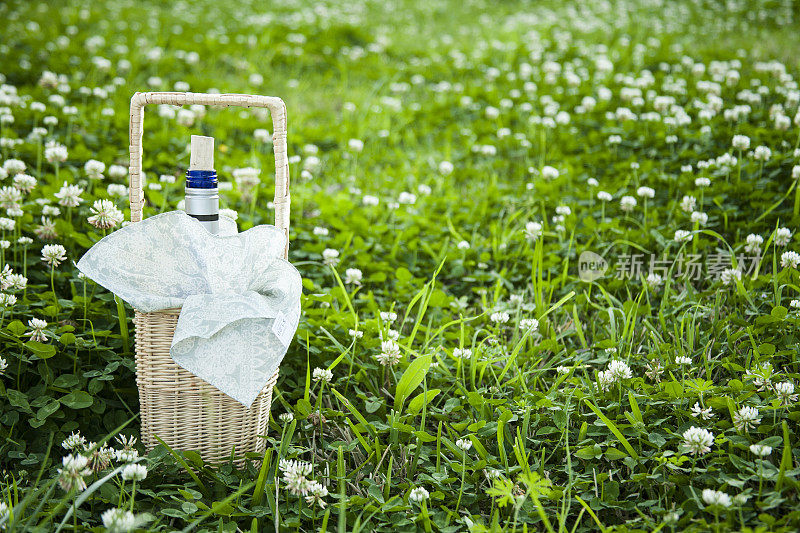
<point>202,198</point>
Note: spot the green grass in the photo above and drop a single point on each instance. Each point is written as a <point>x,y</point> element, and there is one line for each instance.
<point>486,422</point>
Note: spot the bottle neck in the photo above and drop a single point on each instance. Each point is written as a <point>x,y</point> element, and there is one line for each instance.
<point>201,179</point>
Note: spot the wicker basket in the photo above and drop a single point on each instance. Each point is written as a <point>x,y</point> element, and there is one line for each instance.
<point>181,409</point>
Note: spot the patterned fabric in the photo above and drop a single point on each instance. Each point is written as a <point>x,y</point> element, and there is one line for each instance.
<point>239,299</point>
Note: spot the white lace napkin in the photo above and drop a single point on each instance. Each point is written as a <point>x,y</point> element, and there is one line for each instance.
<point>239,299</point>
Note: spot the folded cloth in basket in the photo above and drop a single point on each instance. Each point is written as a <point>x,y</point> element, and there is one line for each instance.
<point>239,299</point>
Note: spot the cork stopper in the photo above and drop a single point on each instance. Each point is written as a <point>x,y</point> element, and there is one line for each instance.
<point>202,153</point>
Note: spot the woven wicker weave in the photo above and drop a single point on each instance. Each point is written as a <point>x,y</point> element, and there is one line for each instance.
<point>181,409</point>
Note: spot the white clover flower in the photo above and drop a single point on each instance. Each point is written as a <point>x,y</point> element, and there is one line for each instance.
<point>446,168</point>
<point>355,145</point>
<point>5,274</point>
<point>699,217</point>
<point>702,182</point>
<point>316,494</point>
<point>762,153</point>
<point>69,195</point>
<point>627,203</point>
<point>7,300</point>
<point>246,178</point>
<point>646,192</point>
<point>388,316</point>
<point>615,373</point>
<point>464,444</point>
<point>683,360</point>
<point>698,440</point>
<point>424,189</point>
<point>286,418</point>
<point>462,353</point>
<point>37,334</point>
<point>53,254</point>
<point>563,210</point>
<point>295,476</point>
<point>790,259</point>
<point>24,182</point>
<point>785,392</point>
<point>533,230</point>
<point>741,499</point>
<point>796,172</point>
<point>418,495</point>
<point>704,413</point>
<point>105,215</point>
<point>603,196</point>
<point>229,213</point>
<point>683,236</point>
<point>134,472</point>
<point>74,442</point>
<point>754,244</point>
<point>185,117</point>
<point>370,200</point>
<point>117,190</point>
<point>729,275</point>
<point>10,197</point>
<point>620,370</point>
<point>549,173</point>
<point>118,520</point>
<point>73,471</point>
<point>715,497</point>
<point>355,333</point>
<point>353,276</point>
<point>654,280</point>
<point>688,203</point>
<point>760,450</point>
<point>529,324</point>
<point>407,198</point>
<point>94,169</point>
<point>330,257</point>
<point>126,455</point>
<point>322,374</point>
<point>463,245</point>
<point>499,317</point>
<point>783,236</point>
<point>390,353</point>
<point>741,142</point>
<point>746,418</point>
<point>117,171</point>
<point>262,135</point>
<point>46,230</point>
<point>14,166</point>
<point>55,153</point>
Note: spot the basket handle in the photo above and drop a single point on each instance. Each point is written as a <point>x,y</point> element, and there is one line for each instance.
<point>277,110</point>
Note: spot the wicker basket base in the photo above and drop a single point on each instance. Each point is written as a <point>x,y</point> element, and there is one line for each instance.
<point>186,412</point>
